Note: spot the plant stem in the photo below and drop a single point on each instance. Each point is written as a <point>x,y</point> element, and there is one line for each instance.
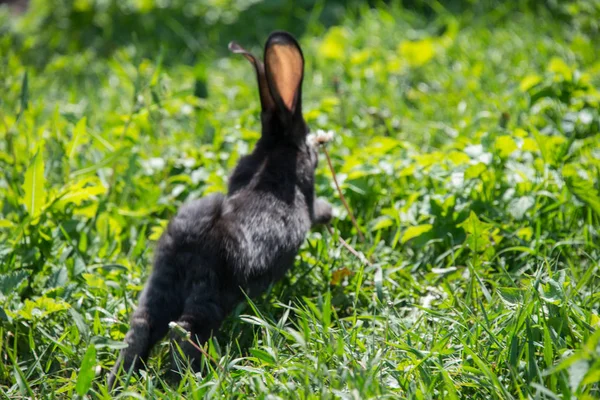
<point>205,353</point>
<point>349,248</point>
<point>337,185</point>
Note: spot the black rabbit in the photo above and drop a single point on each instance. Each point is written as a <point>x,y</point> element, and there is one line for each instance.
<point>219,247</point>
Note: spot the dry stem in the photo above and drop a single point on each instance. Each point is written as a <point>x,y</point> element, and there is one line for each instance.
<point>337,185</point>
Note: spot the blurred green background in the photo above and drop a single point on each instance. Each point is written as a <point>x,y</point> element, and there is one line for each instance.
<point>194,30</point>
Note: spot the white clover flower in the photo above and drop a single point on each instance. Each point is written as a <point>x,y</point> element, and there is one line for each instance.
<point>320,137</point>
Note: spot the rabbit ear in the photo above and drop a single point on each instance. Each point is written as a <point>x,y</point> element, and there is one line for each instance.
<point>284,69</point>
<point>266,101</point>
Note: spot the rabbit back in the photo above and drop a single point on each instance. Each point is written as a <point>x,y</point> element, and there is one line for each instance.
<point>247,239</point>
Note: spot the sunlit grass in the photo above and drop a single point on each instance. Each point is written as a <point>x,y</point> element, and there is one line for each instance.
<point>466,146</point>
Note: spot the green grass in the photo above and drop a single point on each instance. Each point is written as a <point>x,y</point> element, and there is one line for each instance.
<point>466,142</point>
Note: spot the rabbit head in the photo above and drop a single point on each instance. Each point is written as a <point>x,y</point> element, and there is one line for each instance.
<point>280,87</point>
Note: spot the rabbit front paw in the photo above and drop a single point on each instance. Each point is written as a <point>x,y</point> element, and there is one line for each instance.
<point>323,212</point>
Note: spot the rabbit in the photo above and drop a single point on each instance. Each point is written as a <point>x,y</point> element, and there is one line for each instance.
<point>219,248</point>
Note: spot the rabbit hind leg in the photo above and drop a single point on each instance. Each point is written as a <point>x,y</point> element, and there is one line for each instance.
<point>202,316</point>
<point>159,304</point>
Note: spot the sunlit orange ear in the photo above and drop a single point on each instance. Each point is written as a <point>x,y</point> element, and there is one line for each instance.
<point>284,65</point>
<point>266,101</point>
